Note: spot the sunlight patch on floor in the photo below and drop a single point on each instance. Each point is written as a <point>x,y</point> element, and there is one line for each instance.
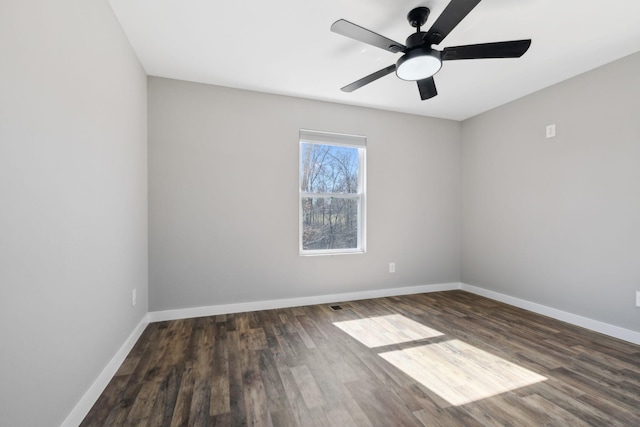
<point>386,330</point>
<point>459,372</point>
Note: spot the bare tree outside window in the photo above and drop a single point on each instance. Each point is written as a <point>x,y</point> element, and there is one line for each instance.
<point>331,197</point>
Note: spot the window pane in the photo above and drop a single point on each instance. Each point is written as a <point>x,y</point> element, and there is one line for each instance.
<point>329,223</point>
<point>328,168</point>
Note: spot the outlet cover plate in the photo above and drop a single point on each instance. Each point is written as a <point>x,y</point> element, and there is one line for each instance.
<point>551,131</point>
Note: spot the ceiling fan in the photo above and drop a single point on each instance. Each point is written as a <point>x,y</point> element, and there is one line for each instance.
<point>420,61</point>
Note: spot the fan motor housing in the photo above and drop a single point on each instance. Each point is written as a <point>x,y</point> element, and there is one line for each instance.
<point>416,39</point>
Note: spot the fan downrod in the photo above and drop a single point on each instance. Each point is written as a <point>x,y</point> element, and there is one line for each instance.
<point>418,17</point>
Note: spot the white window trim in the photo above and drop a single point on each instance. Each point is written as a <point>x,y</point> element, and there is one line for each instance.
<point>344,140</point>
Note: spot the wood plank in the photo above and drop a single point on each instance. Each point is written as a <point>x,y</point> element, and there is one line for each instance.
<point>309,390</point>
<point>203,368</point>
<point>220,402</point>
<point>165,399</point>
<point>236,381</point>
<point>182,405</point>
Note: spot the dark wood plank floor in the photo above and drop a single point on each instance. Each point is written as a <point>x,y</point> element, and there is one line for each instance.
<point>438,359</point>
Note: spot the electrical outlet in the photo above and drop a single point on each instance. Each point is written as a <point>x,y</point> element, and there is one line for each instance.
<point>392,267</point>
<point>637,298</point>
<point>133,298</point>
<point>551,131</point>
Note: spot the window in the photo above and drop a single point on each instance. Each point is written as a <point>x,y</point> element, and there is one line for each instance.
<point>332,193</point>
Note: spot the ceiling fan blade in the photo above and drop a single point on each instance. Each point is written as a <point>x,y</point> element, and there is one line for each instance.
<point>427,88</point>
<point>450,17</point>
<point>368,79</point>
<point>511,49</point>
<point>356,32</point>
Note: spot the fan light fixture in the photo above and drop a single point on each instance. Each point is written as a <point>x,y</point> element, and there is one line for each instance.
<point>418,64</point>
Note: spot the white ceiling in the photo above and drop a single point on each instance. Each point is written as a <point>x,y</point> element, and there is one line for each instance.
<point>285,47</point>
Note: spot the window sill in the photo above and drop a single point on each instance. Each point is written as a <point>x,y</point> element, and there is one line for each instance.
<point>332,252</point>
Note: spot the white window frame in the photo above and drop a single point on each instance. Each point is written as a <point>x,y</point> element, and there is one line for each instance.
<point>344,140</point>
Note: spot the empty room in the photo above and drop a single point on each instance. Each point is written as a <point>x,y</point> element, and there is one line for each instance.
<point>339,213</point>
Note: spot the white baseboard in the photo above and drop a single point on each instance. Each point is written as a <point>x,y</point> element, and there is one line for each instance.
<point>185,313</point>
<point>87,401</point>
<point>574,319</point>
<point>91,396</point>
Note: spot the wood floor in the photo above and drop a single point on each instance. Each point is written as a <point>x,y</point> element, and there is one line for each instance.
<point>437,359</point>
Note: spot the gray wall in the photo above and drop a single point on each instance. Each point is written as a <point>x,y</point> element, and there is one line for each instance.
<point>557,221</point>
<point>73,213</point>
<point>223,198</point>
